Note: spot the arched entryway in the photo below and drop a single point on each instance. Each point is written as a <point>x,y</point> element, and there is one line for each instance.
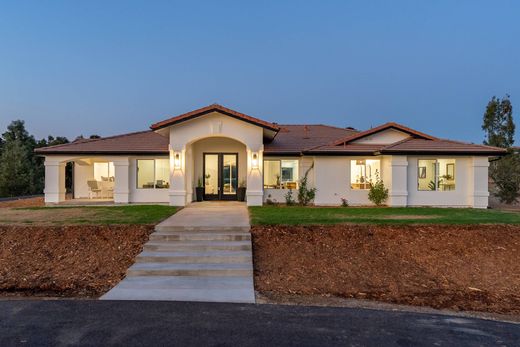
<point>219,167</point>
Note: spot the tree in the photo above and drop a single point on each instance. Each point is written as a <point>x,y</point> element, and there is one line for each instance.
<point>499,127</point>
<point>16,165</point>
<point>498,123</point>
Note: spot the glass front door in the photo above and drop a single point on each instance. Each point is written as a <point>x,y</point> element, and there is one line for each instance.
<point>220,176</point>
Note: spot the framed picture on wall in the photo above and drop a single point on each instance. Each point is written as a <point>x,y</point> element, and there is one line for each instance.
<point>450,170</point>
<point>422,171</point>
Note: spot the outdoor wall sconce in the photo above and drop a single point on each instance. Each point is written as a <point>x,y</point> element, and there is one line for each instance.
<point>254,161</point>
<point>177,161</point>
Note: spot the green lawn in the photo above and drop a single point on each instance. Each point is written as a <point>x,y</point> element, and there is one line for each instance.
<point>65,215</point>
<point>283,215</point>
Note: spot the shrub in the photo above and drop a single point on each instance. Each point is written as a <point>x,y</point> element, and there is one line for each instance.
<point>306,194</point>
<point>378,194</point>
<point>289,200</point>
<point>344,202</point>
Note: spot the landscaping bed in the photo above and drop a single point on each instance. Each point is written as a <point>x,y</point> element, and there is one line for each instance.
<point>473,268</point>
<point>72,260</point>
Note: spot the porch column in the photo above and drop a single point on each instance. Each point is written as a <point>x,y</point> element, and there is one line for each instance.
<point>479,189</point>
<point>177,190</point>
<point>397,181</point>
<point>255,187</point>
<point>54,181</point>
<point>122,181</point>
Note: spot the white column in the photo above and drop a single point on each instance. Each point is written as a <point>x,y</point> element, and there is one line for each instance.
<point>177,190</point>
<point>397,180</point>
<point>255,187</point>
<point>480,192</point>
<point>54,181</point>
<point>122,181</point>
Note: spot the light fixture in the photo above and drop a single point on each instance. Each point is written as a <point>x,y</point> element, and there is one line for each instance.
<point>177,160</point>
<point>254,161</point>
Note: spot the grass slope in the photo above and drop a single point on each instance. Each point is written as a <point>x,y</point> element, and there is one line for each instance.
<point>296,215</point>
<point>92,215</point>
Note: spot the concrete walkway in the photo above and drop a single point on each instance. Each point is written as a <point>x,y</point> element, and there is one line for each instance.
<point>202,253</point>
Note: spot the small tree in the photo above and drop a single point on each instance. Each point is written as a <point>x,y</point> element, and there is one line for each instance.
<point>378,193</point>
<point>305,194</point>
<point>498,123</point>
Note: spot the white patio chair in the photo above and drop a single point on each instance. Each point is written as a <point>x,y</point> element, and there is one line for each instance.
<point>93,188</point>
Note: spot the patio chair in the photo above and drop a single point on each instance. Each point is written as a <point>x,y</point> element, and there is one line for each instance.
<point>93,188</point>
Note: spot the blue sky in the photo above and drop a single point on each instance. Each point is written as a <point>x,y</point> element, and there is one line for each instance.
<point>109,67</point>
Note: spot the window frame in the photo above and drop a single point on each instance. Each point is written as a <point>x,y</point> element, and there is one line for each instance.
<point>364,159</point>
<point>437,174</point>
<point>154,173</point>
<point>295,179</point>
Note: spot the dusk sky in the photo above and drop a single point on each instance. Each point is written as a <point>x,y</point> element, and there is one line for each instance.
<point>109,67</point>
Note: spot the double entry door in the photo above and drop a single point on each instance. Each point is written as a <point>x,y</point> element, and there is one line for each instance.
<point>220,176</point>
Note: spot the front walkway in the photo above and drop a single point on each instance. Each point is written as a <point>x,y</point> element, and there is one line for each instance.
<point>202,253</point>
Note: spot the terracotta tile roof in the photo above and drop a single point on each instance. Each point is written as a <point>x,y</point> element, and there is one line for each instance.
<point>390,125</point>
<point>294,139</point>
<point>414,145</point>
<point>144,142</point>
<point>212,108</point>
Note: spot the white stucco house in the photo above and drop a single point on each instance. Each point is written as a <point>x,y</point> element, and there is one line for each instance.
<point>220,149</point>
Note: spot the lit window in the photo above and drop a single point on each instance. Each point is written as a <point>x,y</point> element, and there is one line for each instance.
<point>436,174</point>
<point>281,174</point>
<point>153,173</point>
<point>364,172</point>
<point>104,171</point>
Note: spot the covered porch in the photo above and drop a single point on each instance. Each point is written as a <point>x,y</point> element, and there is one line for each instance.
<point>92,180</point>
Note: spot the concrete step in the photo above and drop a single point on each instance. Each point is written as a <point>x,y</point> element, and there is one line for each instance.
<point>210,257</point>
<point>169,269</point>
<point>195,236</point>
<point>197,246</point>
<point>175,294</point>
<point>206,229</point>
<point>186,282</point>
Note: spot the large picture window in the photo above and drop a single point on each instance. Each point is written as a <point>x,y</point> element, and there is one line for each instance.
<point>281,174</point>
<point>364,172</point>
<point>153,173</point>
<point>436,175</point>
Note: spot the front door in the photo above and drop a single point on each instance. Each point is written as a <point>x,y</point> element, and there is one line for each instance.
<point>220,176</point>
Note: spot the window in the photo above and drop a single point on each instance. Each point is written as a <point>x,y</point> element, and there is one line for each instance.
<point>104,171</point>
<point>436,175</point>
<point>281,174</point>
<point>153,173</point>
<point>363,172</point>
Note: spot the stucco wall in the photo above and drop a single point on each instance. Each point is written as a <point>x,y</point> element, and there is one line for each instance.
<point>383,137</point>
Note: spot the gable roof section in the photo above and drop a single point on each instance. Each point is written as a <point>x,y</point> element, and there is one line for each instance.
<point>143,142</point>
<point>214,108</point>
<point>383,127</point>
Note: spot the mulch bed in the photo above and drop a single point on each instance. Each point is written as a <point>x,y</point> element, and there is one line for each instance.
<point>475,268</point>
<point>78,261</point>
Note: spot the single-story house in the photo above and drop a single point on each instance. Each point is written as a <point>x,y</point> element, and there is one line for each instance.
<point>221,149</point>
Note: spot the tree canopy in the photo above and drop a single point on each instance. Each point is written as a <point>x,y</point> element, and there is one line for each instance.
<point>21,171</point>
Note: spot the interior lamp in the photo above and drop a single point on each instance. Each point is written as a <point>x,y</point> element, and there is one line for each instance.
<point>254,161</point>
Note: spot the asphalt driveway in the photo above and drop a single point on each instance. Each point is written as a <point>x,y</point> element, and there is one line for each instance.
<point>137,323</point>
